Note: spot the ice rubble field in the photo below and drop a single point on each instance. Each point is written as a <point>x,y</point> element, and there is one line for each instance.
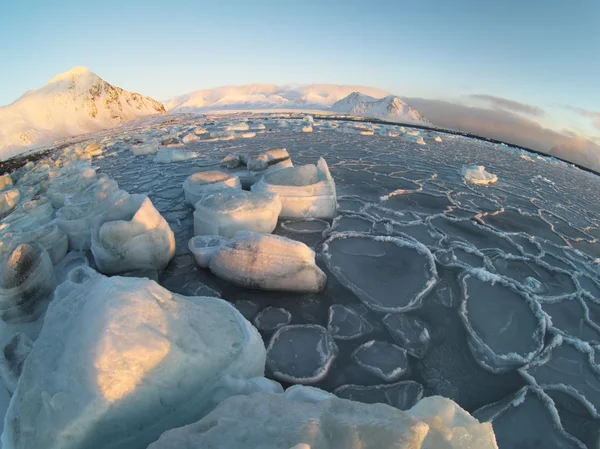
<point>435,276</point>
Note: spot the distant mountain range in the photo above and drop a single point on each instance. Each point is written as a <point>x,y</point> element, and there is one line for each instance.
<point>72,103</point>
<point>79,102</point>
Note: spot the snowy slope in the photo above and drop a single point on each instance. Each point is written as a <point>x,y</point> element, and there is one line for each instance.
<point>267,96</point>
<point>72,103</point>
<point>389,108</point>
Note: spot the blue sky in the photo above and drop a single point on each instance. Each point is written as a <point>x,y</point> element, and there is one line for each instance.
<point>539,52</point>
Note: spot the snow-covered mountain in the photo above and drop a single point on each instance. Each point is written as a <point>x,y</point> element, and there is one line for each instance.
<point>267,96</point>
<point>389,108</point>
<point>72,103</point>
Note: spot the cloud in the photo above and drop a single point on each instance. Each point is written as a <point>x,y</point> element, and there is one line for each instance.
<point>509,127</point>
<point>595,116</point>
<point>511,105</point>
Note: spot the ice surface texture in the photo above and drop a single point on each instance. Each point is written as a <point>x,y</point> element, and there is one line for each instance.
<point>306,192</point>
<point>121,360</point>
<point>307,421</point>
<point>268,262</point>
<point>132,235</point>
<point>228,211</point>
<point>199,184</point>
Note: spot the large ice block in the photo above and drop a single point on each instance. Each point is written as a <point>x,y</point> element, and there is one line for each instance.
<point>306,192</point>
<point>202,183</point>
<point>228,211</point>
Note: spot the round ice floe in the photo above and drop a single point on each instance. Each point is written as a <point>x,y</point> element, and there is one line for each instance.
<point>132,235</point>
<point>528,418</point>
<point>204,247</point>
<point>506,327</point>
<point>129,361</point>
<point>346,324</point>
<point>386,360</point>
<point>268,262</point>
<point>272,318</point>
<point>308,226</point>
<point>409,332</point>
<point>9,199</point>
<point>199,184</point>
<point>401,395</point>
<point>26,283</point>
<point>306,192</point>
<point>388,274</point>
<point>228,211</point>
<point>301,353</point>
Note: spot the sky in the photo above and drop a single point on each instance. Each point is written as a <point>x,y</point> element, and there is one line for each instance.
<point>540,54</point>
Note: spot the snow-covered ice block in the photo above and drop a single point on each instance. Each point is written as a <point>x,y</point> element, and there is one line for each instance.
<point>132,235</point>
<point>409,332</point>
<point>346,324</point>
<point>31,214</point>
<point>272,318</point>
<point>168,155</point>
<point>199,184</point>
<point>306,192</point>
<point>476,174</point>
<point>199,131</point>
<point>247,135</point>
<point>54,241</point>
<point>146,148</point>
<point>241,126</point>
<point>72,260</point>
<point>9,198</point>
<point>452,427</point>
<point>228,211</point>
<point>252,166</point>
<point>70,184</point>
<point>301,353</point>
<point>5,181</point>
<point>98,191</point>
<point>121,360</point>
<point>93,149</point>
<point>26,283</point>
<point>386,360</point>
<point>303,421</point>
<point>204,247</point>
<point>505,326</point>
<point>308,119</point>
<point>268,262</point>
<point>401,395</point>
<point>76,223</point>
<point>190,138</point>
<point>307,129</point>
<point>363,264</point>
<point>527,419</point>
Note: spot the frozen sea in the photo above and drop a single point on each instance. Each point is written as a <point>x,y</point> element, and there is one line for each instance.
<point>434,286</point>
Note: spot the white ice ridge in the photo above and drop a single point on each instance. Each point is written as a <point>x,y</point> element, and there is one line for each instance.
<point>132,235</point>
<point>303,419</point>
<point>121,360</point>
<point>476,174</point>
<point>306,192</point>
<point>268,262</point>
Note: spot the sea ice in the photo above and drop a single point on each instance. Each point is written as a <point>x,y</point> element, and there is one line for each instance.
<point>346,324</point>
<point>401,395</point>
<point>5,181</point>
<point>306,192</point>
<point>12,357</point>
<point>144,149</point>
<point>26,283</point>
<point>132,235</point>
<point>228,211</point>
<point>528,419</point>
<point>54,241</point>
<point>272,318</point>
<point>31,215</point>
<point>252,166</point>
<point>301,353</point>
<point>190,138</point>
<point>386,360</point>
<point>506,327</point>
<point>168,155</point>
<point>204,247</point>
<point>9,199</point>
<point>373,266</point>
<point>476,174</point>
<point>72,260</point>
<point>268,262</point>
<point>199,184</point>
<point>121,360</point>
<point>410,333</point>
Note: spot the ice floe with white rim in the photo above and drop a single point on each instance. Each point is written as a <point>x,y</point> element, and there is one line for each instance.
<point>385,360</point>
<point>401,395</point>
<point>307,191</point>
<point>139,343</point>
<point>361,262</point>
<point>345,323</point>
<point>272,318</point>
<point>268,262</point>
<point>301,353</point>
<point>410,333</point>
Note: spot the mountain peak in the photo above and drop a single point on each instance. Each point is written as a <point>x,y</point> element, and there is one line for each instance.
<point>74,72</point>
